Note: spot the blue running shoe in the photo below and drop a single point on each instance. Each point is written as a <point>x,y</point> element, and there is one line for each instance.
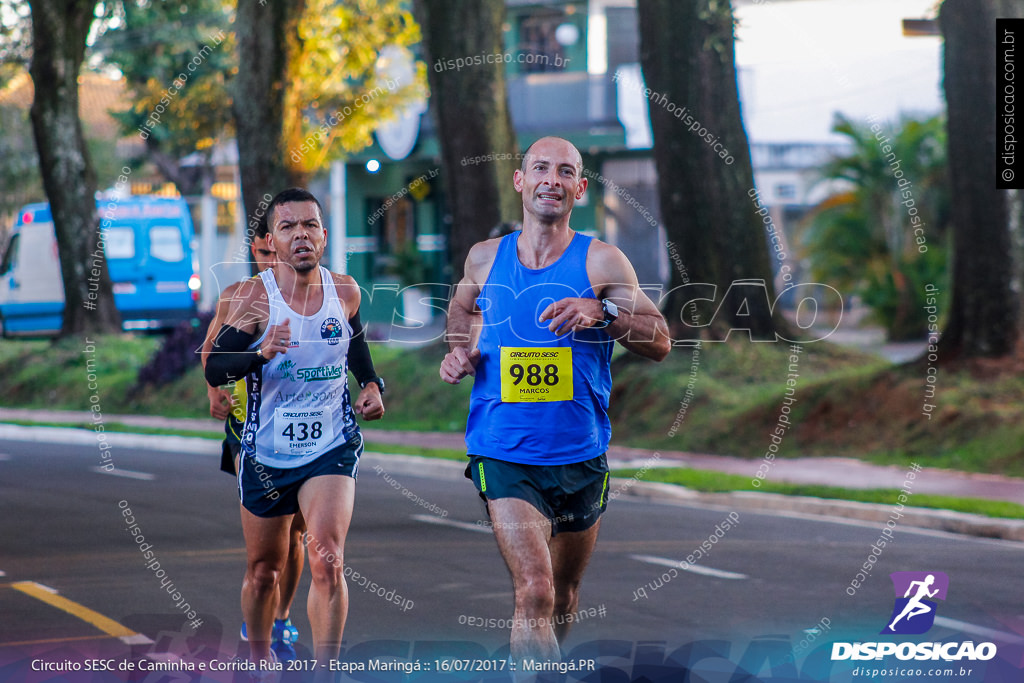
<point>285,630</point>
<point>282,636</point>
<point>284,651</point>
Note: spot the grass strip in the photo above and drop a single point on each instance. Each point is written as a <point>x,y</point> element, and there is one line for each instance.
<point>709,481</point>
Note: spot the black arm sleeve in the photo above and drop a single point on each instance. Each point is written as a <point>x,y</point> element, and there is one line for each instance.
<point>359,361</point>
<point>230,358</point>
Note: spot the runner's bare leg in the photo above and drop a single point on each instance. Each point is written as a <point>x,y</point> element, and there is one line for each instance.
<point>266,549</point>
<point>292,572</point>
<point>523,533</point>
<point>570,554</point>
<point>326,503</point>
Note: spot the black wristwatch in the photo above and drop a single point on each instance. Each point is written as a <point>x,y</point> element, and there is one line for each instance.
<point>379,381</point>
<point>611,313</point>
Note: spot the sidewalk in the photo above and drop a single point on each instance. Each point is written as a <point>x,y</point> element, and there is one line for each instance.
<point>844,472</point>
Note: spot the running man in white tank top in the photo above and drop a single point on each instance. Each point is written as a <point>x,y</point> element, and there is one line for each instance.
<point>288,333</point>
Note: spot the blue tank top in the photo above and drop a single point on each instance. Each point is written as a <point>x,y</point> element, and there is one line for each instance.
<point>544,432</point>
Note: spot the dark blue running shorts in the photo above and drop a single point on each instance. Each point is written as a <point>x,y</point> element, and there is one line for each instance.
<point>572,496</point>
<point>267,491</point>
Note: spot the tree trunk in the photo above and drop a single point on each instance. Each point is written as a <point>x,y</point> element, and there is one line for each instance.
<point>687,55</point>
<point>59,32</point>
<point>268,39</point>
<point>473,119</point>
<point>983,309</point>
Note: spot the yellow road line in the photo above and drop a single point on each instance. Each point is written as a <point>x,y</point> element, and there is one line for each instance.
<point>50,597</point>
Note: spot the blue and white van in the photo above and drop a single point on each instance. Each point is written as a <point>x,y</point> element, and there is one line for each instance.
<point>148,244</point>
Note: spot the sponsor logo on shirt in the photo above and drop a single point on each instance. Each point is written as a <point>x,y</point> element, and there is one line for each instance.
<point>324,372</point>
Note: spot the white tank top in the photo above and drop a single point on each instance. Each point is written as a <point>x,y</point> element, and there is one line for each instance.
<point>298,404</point>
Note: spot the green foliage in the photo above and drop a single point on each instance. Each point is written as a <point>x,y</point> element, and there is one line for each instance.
<point>20,181</point>
<point>15,39</point>
<point>347,79</point>
<point>339,89</point>
<point>154,44</point>
<point>891,193</point>
<point>848,404</point>
<point>19,167</point>
<point>410,265</point>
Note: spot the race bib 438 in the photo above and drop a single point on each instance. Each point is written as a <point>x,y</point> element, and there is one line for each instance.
<point>302,431</point>
<point>535,374</point>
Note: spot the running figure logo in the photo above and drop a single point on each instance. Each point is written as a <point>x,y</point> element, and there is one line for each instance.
<point>284,370</point>
<point>914,611</point>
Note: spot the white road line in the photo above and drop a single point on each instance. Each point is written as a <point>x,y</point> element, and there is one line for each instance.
<point>432,519</point>
<point>695,568</point>
<point>3,573</point>
<point>974,629</point>
<point>128,474</point>
<point>4,457</point>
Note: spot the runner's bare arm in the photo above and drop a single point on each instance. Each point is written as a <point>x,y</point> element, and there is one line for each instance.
<point>230,358</point>
<point>369,403</point>
<point>220,314</point>
<point>640,326</point>
<point>464,318</point>
<point>221,400</point>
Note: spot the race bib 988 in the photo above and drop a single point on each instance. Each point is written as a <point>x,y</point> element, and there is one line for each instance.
<point>536,374</point>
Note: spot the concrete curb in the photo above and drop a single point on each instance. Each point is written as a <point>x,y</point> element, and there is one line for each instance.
<point>84,437</point>
<point>451,470</point>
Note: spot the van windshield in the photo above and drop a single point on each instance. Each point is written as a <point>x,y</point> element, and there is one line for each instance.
<point>11,255</point>
<point>165,243</point>
<point>119,242</point>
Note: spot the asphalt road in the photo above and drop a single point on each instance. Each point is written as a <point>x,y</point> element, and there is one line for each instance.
<point>764,586</point>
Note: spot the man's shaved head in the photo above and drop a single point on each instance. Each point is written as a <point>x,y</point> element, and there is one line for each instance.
<point>579,157</point>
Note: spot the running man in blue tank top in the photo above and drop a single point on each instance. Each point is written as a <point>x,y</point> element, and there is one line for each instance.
<point>534,320</point>
<point>289,333</point>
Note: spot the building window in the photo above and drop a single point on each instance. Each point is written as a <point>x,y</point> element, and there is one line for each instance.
<point>539,50</point>
<point>395,233</point>
<point>785,191</point>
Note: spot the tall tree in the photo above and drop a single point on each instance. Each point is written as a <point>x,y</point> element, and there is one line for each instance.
<point>704,172</point>
<point>313,85</point>
<point>983,309</point>
<point>60,29</point>
<point>473,119</point>
<point>268,40</point>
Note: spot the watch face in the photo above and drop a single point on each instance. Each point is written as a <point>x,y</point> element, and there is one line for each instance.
<point>610,309</point>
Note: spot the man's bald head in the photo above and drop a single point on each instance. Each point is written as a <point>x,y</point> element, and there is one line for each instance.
<point>552,139</point>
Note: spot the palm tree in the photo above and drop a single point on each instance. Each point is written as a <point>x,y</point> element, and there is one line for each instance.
<point>882,233</point>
